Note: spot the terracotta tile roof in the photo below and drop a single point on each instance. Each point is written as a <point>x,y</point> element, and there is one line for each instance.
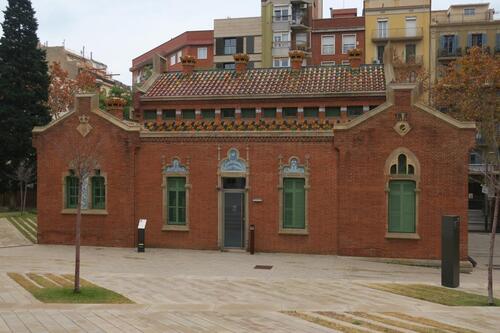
<point>270,82</point>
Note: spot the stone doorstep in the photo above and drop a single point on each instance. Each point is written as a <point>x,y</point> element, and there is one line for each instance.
<point>465,266</point>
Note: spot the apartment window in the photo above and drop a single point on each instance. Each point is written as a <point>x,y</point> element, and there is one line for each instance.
<point>301,40</point>
<point>410,53</point>
<point>354,111</point>
<point>281,62</point>
<point>248,113</point>
<point>269,113</point>
<point>332,111</point>
<point>328,63</point>
<point>71,188</point>
<point>208,113</point>
<point>345,62</point>
<point>176,200</point>
<point>229,46</point>
<point>476,40</point>
<point>449,43</point>
<point>281,13</point>
<point>228,113</point>
<point>311,112</point>
<point>98,191</point>
<point>179,55</point>
<point>202,53</point>
<point>382,28</point>
<point>168,114</point>
<point>294,203</point>
<point>289,112</point>
<point>469,11</point>
<point>149,114</point>
<point>229,65</point>
<point>380,53</point>
<point>188,114</point>
<point>281,39</point>
<point>411,26</point>
<point>172,60</point>
<point>327,45</point>
<point>348,43</point>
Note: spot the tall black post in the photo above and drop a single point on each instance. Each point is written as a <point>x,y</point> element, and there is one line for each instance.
<point>450,251</point>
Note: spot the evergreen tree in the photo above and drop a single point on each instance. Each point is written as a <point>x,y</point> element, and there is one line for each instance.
<point>24,86</point>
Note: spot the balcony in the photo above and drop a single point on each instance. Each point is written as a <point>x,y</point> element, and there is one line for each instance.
<point>481,168</point>
<point>445,54</point>
<point>409,61</point>
<point>281,49</point>
<point>300,20</point>
<point>403,34</point>
<point>484,16</point>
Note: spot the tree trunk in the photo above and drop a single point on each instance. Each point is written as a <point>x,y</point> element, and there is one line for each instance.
<point>77,236</point>
<point>21,197</point>
<point>491,300</point>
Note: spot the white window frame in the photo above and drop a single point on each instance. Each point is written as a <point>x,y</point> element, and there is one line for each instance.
<point>323,45</point>
<point>383,33</point>
<point>344,50</point>
<point>346,62</point>
<point>281,9</point>
<point>469,11</point>
<point>202,53</point>
<point>173,59</point>
<point>281,39</point>
<point>179,55</point>
<point>411,31</point>
<point>281,62</point>
<point>328,63</point>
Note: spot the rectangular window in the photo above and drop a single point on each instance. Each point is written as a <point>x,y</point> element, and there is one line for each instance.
<point>229,46</point>
<point>380,53</point>
<point>289,112</point>
<point>229,65</point>
<point>176,200</point>
<point>179,55</point>
<point>98,192</point>
<point>172,60</point>
<point>294,203</point>
<point>250,42</point>
<point>402,206</point>
<point>345,62</point>
<point>269,113</point>
<point>348,43</point>
<point>149,114</point>
<point>328,63</point>
<point>281,39</point>
<point>382,28</point>
<point>248,113</point>
<point>311,112</point>
<point>202,53</point>
<point>469,11</point>
<point>332,111</point>
<point>71,191</point>
<point>301,40</point>
<point>188,114</point>
<point>327,45</point>
<point>410,53</point>
<point>208,113</point>
<point>477,40</point>
<point>411,26</point>
<point>354,111</point>
<point>281,62</point>
<point>281,13</point>
<point>168,114</point>
<point>228,113</point>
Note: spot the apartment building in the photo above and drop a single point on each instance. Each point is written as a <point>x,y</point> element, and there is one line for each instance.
<point>286,25</point>
<point>237,35</point>
<point>402,24</point>
<point>458,28</point>
<point>332,38</point>
<point>198,44</point>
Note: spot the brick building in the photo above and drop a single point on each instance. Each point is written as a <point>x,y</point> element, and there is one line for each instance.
<point>332,38</point>
<point>331,160</point>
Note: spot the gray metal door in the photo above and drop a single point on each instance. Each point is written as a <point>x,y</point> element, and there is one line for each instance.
<point>234,232</point>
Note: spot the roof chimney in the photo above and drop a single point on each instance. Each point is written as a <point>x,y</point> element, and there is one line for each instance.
<point>241,61</point>
<point>115,106</point>
<point>188,62</point>
<point>296,58</point>
<point>355,57</point>
<point>159,64</point>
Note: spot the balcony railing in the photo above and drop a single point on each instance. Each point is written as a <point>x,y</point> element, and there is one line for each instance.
<point>460,18</point>
<point>281,45</point>
<point>283,18</point>
<point>413,60</point>
<point>481,168</point>
<point>397,34</point>
<point>447,53</point>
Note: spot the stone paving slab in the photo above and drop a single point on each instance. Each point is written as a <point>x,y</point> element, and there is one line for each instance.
<point>10,236</point>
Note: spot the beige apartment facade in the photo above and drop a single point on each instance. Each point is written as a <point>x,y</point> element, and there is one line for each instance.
<point>237,35</point>
<point>460,27</point>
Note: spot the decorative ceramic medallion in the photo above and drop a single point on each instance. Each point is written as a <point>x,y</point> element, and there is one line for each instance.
<point>294,167</point>
<point>233,163</point>
<point>402,127</point>
<point>176,167</point>
<point>84,128</point>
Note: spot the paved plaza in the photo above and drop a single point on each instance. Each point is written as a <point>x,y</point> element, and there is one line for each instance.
<point>209,291</point>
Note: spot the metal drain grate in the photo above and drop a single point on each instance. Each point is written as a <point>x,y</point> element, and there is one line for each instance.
<point>263,267</point>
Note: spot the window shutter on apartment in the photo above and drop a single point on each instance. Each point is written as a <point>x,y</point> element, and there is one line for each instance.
<point>239,45</point>
<point>497,43</point>
<point>442,42</point>
<point>250,44</point>
<point>484,40</point>
<point>219,46</point>
<point>455,43</point>
<point>469,40</point>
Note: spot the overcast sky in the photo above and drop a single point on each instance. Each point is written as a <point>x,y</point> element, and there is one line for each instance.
<point>116,31</point>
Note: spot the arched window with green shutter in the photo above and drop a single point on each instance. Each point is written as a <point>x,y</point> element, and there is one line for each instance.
<point>71,189</point>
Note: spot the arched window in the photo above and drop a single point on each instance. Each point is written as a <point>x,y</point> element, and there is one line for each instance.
<point>402,194</point>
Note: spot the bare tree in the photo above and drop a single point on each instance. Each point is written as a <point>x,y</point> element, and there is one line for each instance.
<point>24,174</point>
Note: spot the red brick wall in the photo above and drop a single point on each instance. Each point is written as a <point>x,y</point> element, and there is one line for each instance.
<point>442,151</point>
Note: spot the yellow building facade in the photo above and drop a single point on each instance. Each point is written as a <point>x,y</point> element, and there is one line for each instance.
<point>402,24</point>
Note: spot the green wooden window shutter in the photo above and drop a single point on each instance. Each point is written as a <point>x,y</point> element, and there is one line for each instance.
<point>311,112</point>
<point>168,114</point>
<point>98,193</point>
<point>219,46</point>
<point>332,111</point>
<point>269,112</point>
<point>176,200</point>
<point>248,113</point>
<point>150,115</point>
<point>402,206</point>
<point>188,114</point>
<point>239,44</point>
<point>294,203</point>
<point>208,113</point>
<point>71,191</point>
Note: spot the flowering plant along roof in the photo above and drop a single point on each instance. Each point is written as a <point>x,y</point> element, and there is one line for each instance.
<point>317,80</point>
<point>233,125</point>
